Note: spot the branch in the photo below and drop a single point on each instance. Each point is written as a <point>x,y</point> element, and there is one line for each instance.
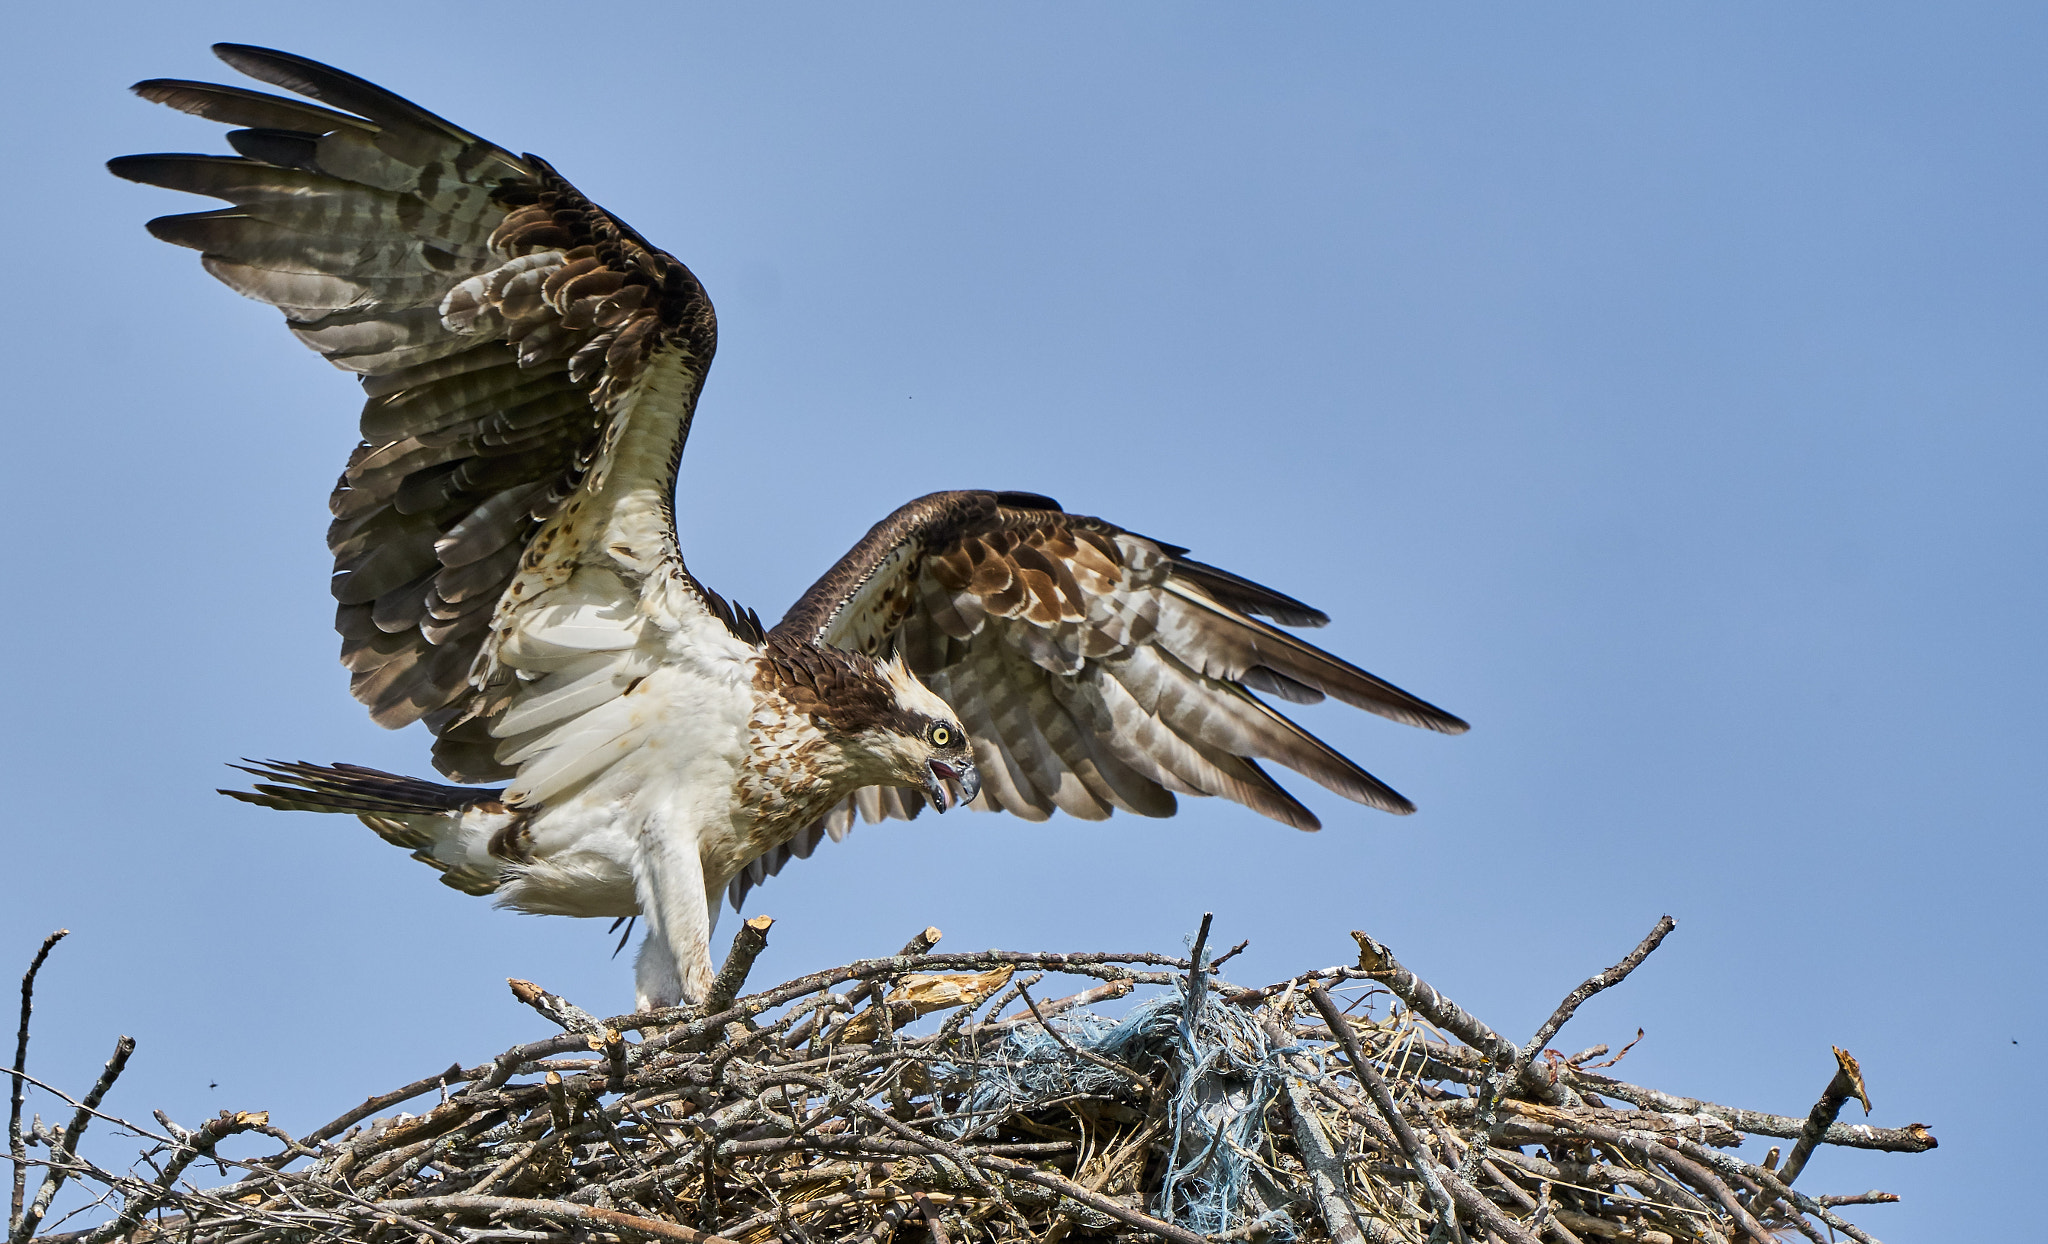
<point>1606,980</point>
<point>15,1149</point>
<point>747,946</point>
<point>1087,1056</point>
<point>1378,963</point>
<point>600,1037</point>
<point>1411,1144</point>
<point>1912,1138</point>
<point>25,1228</point>
<point>1847,1082</point>
<point>554,1211</point>
<point>191,1146</point>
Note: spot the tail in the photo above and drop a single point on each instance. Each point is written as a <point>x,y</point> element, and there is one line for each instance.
<point>455,830</point>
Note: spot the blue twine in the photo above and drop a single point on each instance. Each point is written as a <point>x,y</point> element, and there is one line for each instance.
<point>1224,1076</point>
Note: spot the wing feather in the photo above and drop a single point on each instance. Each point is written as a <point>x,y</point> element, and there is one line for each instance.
<point>505,562</point>
<point>1094,668</point>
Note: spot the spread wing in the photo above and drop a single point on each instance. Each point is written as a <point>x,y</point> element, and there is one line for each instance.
<point>1095,669</point>
<point>504,545</point>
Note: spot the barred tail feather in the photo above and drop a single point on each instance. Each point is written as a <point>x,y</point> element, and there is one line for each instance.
<point>462,832</point>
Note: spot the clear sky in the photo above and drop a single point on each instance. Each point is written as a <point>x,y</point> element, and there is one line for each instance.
<point>1658,387</point>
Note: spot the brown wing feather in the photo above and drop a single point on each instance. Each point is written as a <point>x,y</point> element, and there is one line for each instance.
<point>1094,668</point>
<point>492,312</point>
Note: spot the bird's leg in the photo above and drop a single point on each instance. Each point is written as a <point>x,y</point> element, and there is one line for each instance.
<point>675,961</point>
<point>656,983</point>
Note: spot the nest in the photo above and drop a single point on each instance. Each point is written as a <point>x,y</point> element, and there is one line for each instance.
<point>941,1094</point>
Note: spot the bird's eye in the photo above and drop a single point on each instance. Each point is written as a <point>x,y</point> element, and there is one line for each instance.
<point>941,736</point>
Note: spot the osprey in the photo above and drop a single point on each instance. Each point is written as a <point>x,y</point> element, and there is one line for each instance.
<point>507,566</point>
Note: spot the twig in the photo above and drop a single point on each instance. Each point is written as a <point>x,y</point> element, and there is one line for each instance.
<point>1230,954</point>
<point>1087,1056</point>
<point>18,1094</point>
<point>1325,1168</point>
<point>1197,972</point>
<point>1912,1138</point>
<point>191,1146</point>
<point>1847,1082</point>
<point>1411,1144</point>
<point>54,1179</point>
<point>1100,1204</point>
<point>561,1011</point>
<point>931,1219</point>
<point>1378,963</point>
<point>747,946</point>
<point>554,1211</point>
<point>598,1035</point>
<point>1592,985</point>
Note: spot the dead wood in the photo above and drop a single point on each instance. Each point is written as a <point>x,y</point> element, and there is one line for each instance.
<point>933,1095</point>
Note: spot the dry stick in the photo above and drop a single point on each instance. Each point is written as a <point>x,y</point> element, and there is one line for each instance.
<point>559,1010</point>
<point>1101,1204</point>
<point>1473,1161</point>
<point>876,992</point>
<point>1679,1155</point>
<point>25,1228</point>
<point>1410,1143</point>
<point>1196,977</point>
<point>15,1149</point>
<point>1319,1153</point>
<point>1847,1082</point>
<point>1635,1234</point>
<point>572,1018</point>
<point>1087,997</point>
<point>1592,985</point>
<point>189,1148</point>
<point>961,1160</point>
<point>1912,1138</point>
<point>1872,1197</point>
<point>553,1211</point>
<point>931,1219</point>
<point>1542,1214</point>
<point>1230,954</point>
<point>369,1107</point>
<point>747,946</point>
<point>1378,964</point>
<point>1469,1197</point>
<point>683,1028</point>
<point>1107,1064</point>
<point>1703,1178</point>
<point>1769,1182</point>
<point>1326,1173</point>
<point>558,1103</point>
<point>885,1226</point>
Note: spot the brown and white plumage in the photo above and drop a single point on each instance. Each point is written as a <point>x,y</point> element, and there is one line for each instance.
<point>1095,669</point>
<point>507,569</point>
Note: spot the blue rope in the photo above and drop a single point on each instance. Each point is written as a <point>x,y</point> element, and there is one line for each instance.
<point>1224,1076</point>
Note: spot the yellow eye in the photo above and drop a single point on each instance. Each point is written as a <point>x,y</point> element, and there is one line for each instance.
<point>941,737</point>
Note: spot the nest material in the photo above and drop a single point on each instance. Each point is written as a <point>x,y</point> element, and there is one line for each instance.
<point>1347,1104</point>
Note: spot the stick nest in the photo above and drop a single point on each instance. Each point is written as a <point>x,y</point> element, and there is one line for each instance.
<point>942,1096</point>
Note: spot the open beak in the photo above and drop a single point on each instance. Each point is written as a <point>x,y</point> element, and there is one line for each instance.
<point>961,774</point>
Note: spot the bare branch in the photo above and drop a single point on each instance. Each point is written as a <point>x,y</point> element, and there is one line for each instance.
<point>1592,985</point>
<point>18,1093</point>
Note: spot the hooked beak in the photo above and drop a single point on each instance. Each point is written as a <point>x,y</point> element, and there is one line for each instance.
<point>962,774</point>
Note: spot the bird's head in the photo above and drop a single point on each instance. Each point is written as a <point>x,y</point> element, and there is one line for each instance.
<point>888,728</point>
<point>919,740</point>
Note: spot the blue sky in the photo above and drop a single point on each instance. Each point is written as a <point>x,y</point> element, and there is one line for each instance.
<point>1658,387</point>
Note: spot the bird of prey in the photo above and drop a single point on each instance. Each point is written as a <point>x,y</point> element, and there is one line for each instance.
<point>507,568</point>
